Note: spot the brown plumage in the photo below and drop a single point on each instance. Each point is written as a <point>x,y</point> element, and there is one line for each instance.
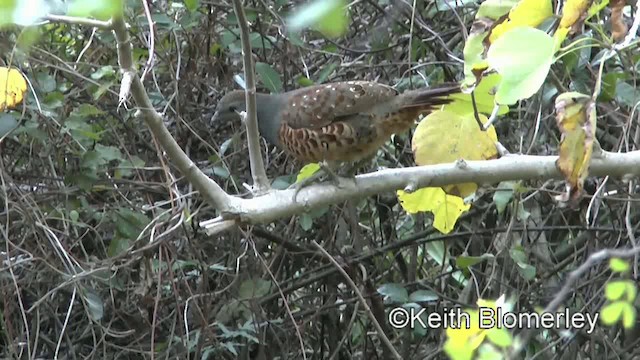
<point>345,121</point>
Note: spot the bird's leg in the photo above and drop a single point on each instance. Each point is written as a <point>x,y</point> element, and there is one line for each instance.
<point>349,170</point>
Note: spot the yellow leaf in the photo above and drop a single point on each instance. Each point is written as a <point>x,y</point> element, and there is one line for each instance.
<point>572,11</point>
<point>307,171</point>
<point>12,88</point>
<point>576,118</point>
<point>559,37</point>
<point>446,208</point>
<point>444,136</point>
<point>525,13</point>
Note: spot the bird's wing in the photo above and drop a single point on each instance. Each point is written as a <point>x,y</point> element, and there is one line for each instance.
<point>317,106</point>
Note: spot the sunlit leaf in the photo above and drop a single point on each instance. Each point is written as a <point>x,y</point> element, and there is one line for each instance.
<point>444,137</point>
<point>618,265</point>
<point>327,16</point>
<point>484,96</point>
<point>615,289</point>
<point>500,337</point>
<point>99,9</point>
<point>523,57</point>
<point>13,86</point>
<point>446,208</point>
<point>307,171</point>
<point>525,13</point>
<point>610,313</point>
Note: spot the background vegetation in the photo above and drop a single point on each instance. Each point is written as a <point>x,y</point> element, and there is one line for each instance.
<point>102,254</point>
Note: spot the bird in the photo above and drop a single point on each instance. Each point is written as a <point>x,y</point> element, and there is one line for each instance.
<point>336,122</point>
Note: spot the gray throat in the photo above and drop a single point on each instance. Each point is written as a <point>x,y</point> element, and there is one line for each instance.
<point>269,107</point>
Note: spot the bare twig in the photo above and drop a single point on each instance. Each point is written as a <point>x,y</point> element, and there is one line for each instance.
<point>362,300</point>
<point>211,191</point>
<point>260,181</point>
<point>105,25</point>
<point>593,260</point>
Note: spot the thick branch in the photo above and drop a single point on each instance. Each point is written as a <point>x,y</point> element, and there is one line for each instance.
<point>279,204</point>
<point>260,181</point>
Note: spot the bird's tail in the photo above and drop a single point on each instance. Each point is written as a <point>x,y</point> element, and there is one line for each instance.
<point>430,97</point>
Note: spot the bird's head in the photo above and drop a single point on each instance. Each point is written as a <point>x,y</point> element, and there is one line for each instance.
<point>230,106</point>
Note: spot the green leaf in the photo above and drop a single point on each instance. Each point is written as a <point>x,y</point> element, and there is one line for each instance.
<point>327,16</point>
<point>610,314</point>
<point>324,74</point>
<point>527,271</point>
<point>103,71</point>
<point>628,316</point>
<point>6,11</point>
<point>281,182</point>
<point>252,288</point>
<point>500,337</point>
<point>46,82</point>
<point>192,5</point>
<point>8,122</point>
<point>117,246</point>
<point>109,153</point>
<point>423,296</point>
<point>129,223</point>
<point>615,289</point>
<point>465,262</point>
<point>126,167</point>
<point>503,195</point>
<point>394,293</point>
<point>95,304</point>
<point>86,110</point>
<point>618,265</point>
<point>307,171</point>
<point>304,81</point>
<point>523,57</point>
<point>306,222</point>
<point>269,77</point>
<point>626,94</point>
<point>484,96</point>
<point>99,9</point>
<point>258,41</point>
<point>74,216</point>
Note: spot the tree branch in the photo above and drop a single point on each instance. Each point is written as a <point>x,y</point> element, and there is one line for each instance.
<point>260,181</point>
<point>279,204</point>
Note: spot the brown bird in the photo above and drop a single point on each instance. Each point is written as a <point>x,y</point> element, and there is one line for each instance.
<point>336,122</point>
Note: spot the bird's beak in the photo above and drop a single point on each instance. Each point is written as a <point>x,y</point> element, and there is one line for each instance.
<point>223,116</point>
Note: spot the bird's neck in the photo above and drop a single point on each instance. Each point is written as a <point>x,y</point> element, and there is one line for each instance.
<point>269,107</point>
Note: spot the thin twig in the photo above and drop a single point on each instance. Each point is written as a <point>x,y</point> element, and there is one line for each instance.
<point>260,181</point>
<point>362,300</point>
<point>573,277</point>
<point>106,25</point>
